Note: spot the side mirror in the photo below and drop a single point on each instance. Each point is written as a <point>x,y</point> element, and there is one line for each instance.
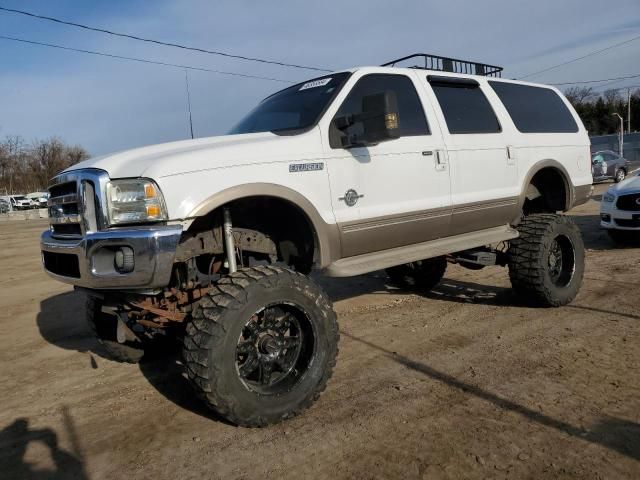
<point>380,117</point>
<point>379,121</point>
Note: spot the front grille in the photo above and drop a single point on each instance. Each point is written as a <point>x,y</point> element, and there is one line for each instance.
<point>629,202</point>
<point>64,264</point>
<point>63,189</point>
<point>635,223</point>
<point>67,230</point>
<point>75,203</point>
<point>64,210</point>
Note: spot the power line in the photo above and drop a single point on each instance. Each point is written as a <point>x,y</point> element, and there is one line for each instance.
<point>596,81</point>
<point>142,60</point>
<point>608,84</point>
<point>160,42</point>
<point>186,80</point>
<point>580,58</point>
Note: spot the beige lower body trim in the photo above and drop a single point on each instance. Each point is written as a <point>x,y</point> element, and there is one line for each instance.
<point>360,264</point>
<point>382,233</point>
<point>480,215</point>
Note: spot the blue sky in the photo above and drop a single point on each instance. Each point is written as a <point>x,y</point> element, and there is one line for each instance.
<point>108,105</point>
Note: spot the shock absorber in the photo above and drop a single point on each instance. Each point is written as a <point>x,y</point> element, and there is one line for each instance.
<point>229,242</point>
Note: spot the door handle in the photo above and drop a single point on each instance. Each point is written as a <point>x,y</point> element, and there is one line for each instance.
<point>441,160</point>
<point>511,155</point>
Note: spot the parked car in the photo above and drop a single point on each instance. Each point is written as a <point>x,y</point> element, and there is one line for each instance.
<point>38,199</point>
<point>608,165</point>
<point>620,210</point>
<point>20,202</point>
<point>5,207</point>
<point>370,168</point>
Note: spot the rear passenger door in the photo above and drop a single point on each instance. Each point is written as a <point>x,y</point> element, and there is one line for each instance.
<point>484,176</point>
<point>394,193</point>
<point>612,164</point>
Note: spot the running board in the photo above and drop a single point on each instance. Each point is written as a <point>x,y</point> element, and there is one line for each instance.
<point>370,262</point>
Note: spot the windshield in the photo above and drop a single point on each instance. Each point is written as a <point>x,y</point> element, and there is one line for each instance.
<point>20,197</point>
<point>294,108</point>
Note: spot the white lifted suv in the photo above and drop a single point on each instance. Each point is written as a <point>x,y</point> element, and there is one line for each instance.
<point>403,169</point>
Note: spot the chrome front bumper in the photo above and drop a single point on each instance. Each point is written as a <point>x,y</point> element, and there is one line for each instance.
<point>89,261</point>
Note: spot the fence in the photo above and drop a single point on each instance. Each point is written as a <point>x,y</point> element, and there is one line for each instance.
<point>631,146</point>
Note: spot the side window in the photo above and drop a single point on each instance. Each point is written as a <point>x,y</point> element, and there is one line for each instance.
<point>535,109</point>
<point>465,107</point>
<point>411,118</point>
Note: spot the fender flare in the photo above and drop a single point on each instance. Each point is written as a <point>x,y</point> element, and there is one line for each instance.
<point>564,174</point>
<point>326,235</point>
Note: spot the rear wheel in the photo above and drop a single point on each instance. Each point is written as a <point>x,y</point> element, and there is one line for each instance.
<point>546,262</point>
<point>620,175</point>
<point>261,346</point>
<point>421,275</point>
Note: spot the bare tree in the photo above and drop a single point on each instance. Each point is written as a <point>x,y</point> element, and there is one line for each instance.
<point>579,95</point>
<point>25,168</point>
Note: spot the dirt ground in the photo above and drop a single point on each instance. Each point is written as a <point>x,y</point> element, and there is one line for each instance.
<point>465,382</point>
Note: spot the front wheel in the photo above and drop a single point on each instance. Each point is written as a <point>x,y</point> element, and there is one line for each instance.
<point>546,262</point>
<point>620,175</point>
<point>261,345</point>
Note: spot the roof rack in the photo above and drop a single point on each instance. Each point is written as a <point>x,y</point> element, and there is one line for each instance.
<point>446,64</point>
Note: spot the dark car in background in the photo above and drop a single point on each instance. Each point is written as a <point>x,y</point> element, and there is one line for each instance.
<point>608,165</point>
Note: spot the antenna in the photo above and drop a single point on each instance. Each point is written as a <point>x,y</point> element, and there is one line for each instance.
<point>186,80</point>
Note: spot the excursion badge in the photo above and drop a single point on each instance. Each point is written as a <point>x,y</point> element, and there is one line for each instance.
<point>306,167</point>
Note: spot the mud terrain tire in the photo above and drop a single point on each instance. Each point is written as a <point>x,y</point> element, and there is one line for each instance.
<point>422,275</point>
<point>546,262</point>
<point>241,314</point>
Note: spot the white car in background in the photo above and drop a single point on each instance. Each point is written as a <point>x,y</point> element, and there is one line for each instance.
<point>19,202</point>
<point>38,199</point>
<point>620,210</point>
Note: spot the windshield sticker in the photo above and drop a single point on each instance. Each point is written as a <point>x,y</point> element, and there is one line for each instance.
<point>315,83</point>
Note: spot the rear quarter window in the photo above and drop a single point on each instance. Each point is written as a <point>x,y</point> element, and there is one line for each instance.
<point>535,109</point>
<point>464,106</point>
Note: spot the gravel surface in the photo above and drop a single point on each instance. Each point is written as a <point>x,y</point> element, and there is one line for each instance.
<point>465,382</point>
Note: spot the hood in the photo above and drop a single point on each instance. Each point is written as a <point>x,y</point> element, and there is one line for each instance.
<point>188,156</point>
<point>630,183</point>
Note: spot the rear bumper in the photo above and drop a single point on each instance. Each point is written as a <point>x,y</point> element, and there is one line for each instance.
<point>581,194</point>
<point>89,261</point>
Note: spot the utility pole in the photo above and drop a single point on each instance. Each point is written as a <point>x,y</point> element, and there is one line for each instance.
<point>186,79</point>
<point>629,110</point>
<point>621,136</point>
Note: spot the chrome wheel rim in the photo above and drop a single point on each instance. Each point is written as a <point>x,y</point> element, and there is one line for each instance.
<point>275,349</point>
<point>561,261</point>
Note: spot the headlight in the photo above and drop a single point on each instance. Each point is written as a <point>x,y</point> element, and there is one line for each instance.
<point>134,201</point>
<point>608,197</point>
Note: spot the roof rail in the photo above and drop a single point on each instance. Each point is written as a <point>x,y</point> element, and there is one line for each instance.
<point>446,64</point>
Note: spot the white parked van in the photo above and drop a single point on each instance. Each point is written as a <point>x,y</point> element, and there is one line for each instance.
<point>404,169</point>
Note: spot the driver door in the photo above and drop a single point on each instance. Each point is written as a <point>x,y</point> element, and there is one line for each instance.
<point>397,192</point>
